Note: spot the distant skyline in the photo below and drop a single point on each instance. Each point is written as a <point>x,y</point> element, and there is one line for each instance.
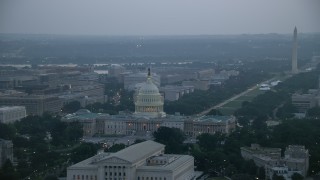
<point>158,17</point>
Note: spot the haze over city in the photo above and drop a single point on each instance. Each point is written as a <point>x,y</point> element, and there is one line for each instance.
<point>159,89</point>
<point>154,17</point>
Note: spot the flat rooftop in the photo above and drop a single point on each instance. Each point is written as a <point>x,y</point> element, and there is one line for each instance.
<point>212,118</point>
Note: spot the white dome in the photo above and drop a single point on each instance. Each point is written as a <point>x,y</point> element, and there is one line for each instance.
<point>149,102</point>
<point>148,88</point>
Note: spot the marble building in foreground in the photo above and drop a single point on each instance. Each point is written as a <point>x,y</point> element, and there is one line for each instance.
<point>143,161</point>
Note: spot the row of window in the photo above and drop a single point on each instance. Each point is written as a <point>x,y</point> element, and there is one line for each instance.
<point>151,178</point>
<point>115,174</point>
<point>149,100</point>
<point>115,167</point>
<point>85,177</point>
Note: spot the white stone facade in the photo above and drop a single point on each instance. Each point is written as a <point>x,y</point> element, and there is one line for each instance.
<point>149,102</point>
<point>134,163</point>
<point>296,160</point>
<point>6,151</point>
<point>10,114</point>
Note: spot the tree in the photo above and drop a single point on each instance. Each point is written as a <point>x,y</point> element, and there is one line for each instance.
<point>171,137</point>
<point>261,173</point>
<point>84,151</point>
<point>215,112</point>
<point>297,176</point>
<point>8,172</point>
<point>51,177</point>
<point>314,112</point>
<point>208,142</point>
<point>71,107</point>
<point>74,131</point>
<point>242,177</point>
<point>116,148</point>
<point>277,177</point>
<point>7,131</point>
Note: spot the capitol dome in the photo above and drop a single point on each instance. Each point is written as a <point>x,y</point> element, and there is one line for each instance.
<point>149,102</point>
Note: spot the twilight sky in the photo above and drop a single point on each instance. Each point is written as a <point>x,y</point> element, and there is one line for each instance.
<point>158,17</point>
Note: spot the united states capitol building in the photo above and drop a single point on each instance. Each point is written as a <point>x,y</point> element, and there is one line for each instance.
<point>148,117</point>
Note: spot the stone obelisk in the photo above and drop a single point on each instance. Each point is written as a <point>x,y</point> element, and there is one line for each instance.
<point>294,52</point>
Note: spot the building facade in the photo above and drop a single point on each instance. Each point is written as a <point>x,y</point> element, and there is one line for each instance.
<point>10,114</point>
<point>209,124</point>
<point>143,161</point>
<point>131,81</point>
<point>34,104</point>
<point>295,160</point>
<point>303,102</point>
<point>6,151</point>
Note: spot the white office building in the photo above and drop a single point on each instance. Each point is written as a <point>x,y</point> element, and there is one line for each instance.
<point>132,81</point>
<point>10,114</point>
<point>143,161</point>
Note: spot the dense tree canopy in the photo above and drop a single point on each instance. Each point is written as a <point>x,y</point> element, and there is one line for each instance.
<point>71,107</point>
<point>171,137</point>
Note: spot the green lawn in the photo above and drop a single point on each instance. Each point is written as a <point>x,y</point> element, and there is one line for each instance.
<point>229,108</point>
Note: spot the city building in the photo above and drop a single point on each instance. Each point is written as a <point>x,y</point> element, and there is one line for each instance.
<point>173,93</point>
<point>131,80</point>
<point>142,161</point>
<point>87,120</point>
<point>10,114</point>
<point>6,151</point>
<point>209,124</point>
<point>174,74</point>
<point>205,74</point>
<point>295,160</point>
<point>197,84</point>
<point>303,102</point>
<point>116,70</point>
<point>256,149</point>
<point>34,104</point>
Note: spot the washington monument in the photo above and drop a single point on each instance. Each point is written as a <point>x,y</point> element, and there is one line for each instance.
<point>294,52</point>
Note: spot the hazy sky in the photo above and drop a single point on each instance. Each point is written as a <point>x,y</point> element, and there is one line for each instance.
<point>158,17</point>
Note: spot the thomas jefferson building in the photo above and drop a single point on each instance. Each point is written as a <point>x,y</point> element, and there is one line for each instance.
<point>143,161</point>
<point>149,116</point>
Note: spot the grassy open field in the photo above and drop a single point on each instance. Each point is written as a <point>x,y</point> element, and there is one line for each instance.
<point>231,107</point>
